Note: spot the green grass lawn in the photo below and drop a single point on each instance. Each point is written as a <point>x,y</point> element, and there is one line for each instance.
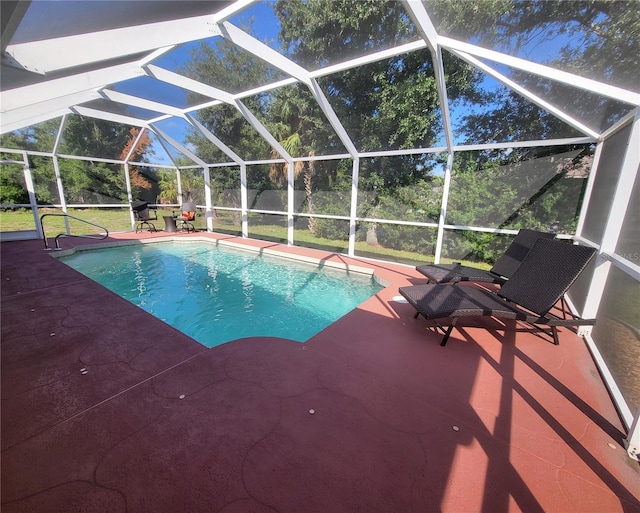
<point>114,219</point>
<point>118,220</point>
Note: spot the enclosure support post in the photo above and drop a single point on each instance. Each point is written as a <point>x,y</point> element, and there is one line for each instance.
<point>611,233</point>
<point>207,198</point>
<point>180,199</point>
<point>290,201</point>
<point>243,200</point>
<point>443,207</point>
<point>56,170</point>
<point>608,259</point>
<point>354,207</point>
<point>632,442</point>
<point>127,181</point>
<point>127,178</point>
<point>31,191</point>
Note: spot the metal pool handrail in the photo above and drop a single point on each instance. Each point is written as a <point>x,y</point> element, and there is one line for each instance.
<point>97,237</point>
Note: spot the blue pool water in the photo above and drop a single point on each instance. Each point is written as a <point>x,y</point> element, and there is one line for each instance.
<point>216,294</point>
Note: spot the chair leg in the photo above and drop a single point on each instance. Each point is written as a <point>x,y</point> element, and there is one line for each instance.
<point>185,225</point>
<point>448,332</point>
<point>545,330</point>
<point>564,307</point>
<point>150,226</point>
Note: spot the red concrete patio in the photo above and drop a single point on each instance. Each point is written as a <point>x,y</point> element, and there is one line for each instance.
<point>107,409</point>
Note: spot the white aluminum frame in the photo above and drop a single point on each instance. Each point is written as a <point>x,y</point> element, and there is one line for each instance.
<point>593,86</point>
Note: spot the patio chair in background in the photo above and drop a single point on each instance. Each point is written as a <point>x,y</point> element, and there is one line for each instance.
<point>143,216</point>
<point>541,280</point>
<point>187,216</point>
<point>502,270</point>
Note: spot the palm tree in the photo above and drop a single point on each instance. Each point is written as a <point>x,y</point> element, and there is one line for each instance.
<point>278,172</point>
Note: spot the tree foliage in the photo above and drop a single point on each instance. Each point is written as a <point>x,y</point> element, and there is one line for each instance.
<point>83,182</point>
<point>598,37</point>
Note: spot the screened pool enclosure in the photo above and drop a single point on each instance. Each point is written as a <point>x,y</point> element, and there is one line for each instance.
<point>408,131</point>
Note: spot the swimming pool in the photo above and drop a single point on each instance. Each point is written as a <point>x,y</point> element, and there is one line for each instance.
<point>216,294</point>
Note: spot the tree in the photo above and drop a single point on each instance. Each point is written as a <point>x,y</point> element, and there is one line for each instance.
<point>137,178</point>
<point>191,182</point>
<point>168,186</point>
<point>94,137</point>
<point>232,69</point>
<point>383,105</point>
<point>593,38</point>
<point>10,190</point>
<point>83,182</point>
<point>40,137</point>
<point>315,32</point>
<point>292,115</point>
<point>598,37</point>
<point>94,182</point>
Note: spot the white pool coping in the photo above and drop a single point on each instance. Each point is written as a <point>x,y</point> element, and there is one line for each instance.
<point>316,261</point>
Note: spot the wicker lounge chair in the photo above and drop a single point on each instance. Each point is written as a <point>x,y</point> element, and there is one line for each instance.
<point>542,279</point>
<point>502,270</point>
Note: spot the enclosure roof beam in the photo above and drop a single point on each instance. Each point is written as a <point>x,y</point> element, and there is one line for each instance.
<point>33,114</point>
<point>211,137</point>
<point>133,147</point>
<point>231,10</point>
<point>259,49</point>
<point>368,59</point>
<point>428,32</point>
<point>46,56</point>
<point>527,94</point>
<point>182,149</point>
<point>333,118</point>
<point>262,130</point>
<point>12,14</point>
<point>33,94</point>
<point>142,103</point>
<point>217,94</point>
<point>109,116</point>
<point>419,15</point>
<point>264,52</point>
<point>187,83</point>
<point>600,88</point>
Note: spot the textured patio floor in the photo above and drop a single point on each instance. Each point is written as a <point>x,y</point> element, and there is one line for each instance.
<point>107,409</point>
